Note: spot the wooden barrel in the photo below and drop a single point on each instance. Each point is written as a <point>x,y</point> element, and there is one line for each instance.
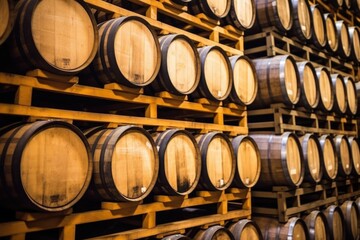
<point>216,75</point>
<point>357,202</point>
<point>126,163</point>
<point>351,95</point>
<point>278,80</point>
<point>176,237</point>
<point>352,220</point>
<point>180,65</point>
<point>330,164</point>
<point>326,102</point>
<point>65,45</point>
<point>214,233</point>
<point>242,14</point>
<point>319,27</point>
<point>245,85</point>
<point>213,9</point>
<point>335,220</point>
<point>317,225</point>
<point>337,3</point>
<point>344,49</point>
<point>355,155</point>
<point>46,166</point>
<point>356,6</point>
<point>182,2</point>
<point>248,162</point>
<point>7,17</point>
<point>218,161</point>
<point>347,4</point>
<point>313,158</point>
<point>354,33</point>
<point>343,151</point>
<point>302,20</point>
<point>180,162</point>
<point>281,160</point>
<point>245,229</point>
<point>129,52</point>
<point>331,33</point>
<point>339,89</point>
<point>277,13</point>
<point>309,85</point>
<point>295,228</point>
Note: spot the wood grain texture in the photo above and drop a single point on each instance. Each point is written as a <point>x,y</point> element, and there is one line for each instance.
<point>245,229</point>
<point>309,85</point>
<point>327,97</point>
<point>319,37</point>
<point>335,221</point>
<point>343,152</point>
<point>352,99</point>
<point>51,179</point>
<point>355,154</point>
<point>242,14</point>
<point>354,34</point>
<point>214,233</point>
<point>344,49</point>
<point>339,88</point>
<point>7,17</point>
<point>330,157</point>
<point>317,225</point>
<point>331,35</point>
<point>351,218</point>
<point>302,20</point>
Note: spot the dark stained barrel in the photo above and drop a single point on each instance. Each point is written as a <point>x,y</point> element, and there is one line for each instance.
<point>65,45</point>
<point>216,75</point>
<point>248,162</point>
<point>327,94</point>
<point>313,158</point>
<point>295,228</point>
<point>129,52</point>
<point>317,225</point>
<point>180,65</point>
<point>245,85</point>
<point>218,161</point>
<point>214,233</point>
<point>281,160</point>
<point>180,162</point>
<point>302,20</point>
<point>330,157</point>
<point>277,13</point>
<point>213,9</point>
<point>309,84</point>
<point>352,220</point>
<point>46,166</point>
<point>242,14</point>
<point>344,49</point>
<point>335,220</point>
<point>278,79</point>
<point>126,163</point>
<point>245,229</point>
<point>319,27</point>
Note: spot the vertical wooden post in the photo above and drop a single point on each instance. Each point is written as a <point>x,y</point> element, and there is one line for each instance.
<point>151,111</point>
<point>149,220</point>
<point>68,233</point>
<point>24,95</point>
<point>151,12</point>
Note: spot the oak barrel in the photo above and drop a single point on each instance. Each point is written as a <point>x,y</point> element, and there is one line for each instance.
<point>216,75</point>
<point>335,220</point>
<point>357,202</point>
<point>344,49</point>
<point>309,84</point>
<point>248,162</point>
<point>215,9</point>
<point>317,225</point>
<point>331,33</point>
<point>318,37</point>
<point>126,163</point>
<point>351,219</point>
<point>354,33</point>
<point>65,45</point>
<point>343,151</point>
<point>7,18</point>
<point>180,65</point>
<point>336,3</point>
<point>245,86</point>
<point>218,161</point>
<point>278,80</point>
<point>214,233</point>
<point>339,89</point>
<point>242,14</point>
<point>180,162</point>
<point>129,52</point>
<point>347,4</point>
<point>37,173</point>
<point>302,20</point>
<point>355,155</point>
<point>313,158</point>
<point>245,229</point>
<point>295,228</point>
<point>176,237</point>
<point>330,164</point>
<point>352,100</point>
<point>277,13</point>
<point>281,160</point>
<point>327,97</point>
